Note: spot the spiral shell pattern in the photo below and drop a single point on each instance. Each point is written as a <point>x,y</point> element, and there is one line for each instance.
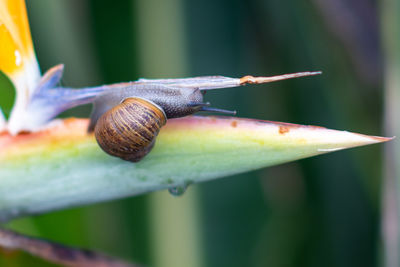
<point>128,130</point>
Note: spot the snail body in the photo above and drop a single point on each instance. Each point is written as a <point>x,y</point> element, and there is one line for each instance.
<point>175,102</point>
<point>127,120</point>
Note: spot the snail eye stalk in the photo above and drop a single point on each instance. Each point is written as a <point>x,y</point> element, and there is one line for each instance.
<point>217,110</point>
<point>195,104</point>
<point>206,107</point>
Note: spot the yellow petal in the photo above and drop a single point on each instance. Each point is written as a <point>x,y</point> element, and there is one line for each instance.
<point>17,56</point>
<point>16,53</point>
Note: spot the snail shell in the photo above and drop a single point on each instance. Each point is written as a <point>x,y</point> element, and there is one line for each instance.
<point>128,130</point>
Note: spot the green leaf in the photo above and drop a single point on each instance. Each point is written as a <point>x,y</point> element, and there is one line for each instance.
<point>62,166</point>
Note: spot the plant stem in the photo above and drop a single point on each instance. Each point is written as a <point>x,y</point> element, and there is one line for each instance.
<point>57,253</point>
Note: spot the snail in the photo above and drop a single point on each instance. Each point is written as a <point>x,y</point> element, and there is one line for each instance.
<point>127,117</point>
<point>127,120</point>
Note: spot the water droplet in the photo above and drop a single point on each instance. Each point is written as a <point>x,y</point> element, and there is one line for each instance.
<point>177,191</point>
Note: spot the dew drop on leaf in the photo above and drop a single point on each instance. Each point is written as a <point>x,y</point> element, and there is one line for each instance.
<point>177,191</point>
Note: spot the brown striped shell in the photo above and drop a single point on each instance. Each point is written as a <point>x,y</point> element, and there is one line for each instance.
<point>128,130</point>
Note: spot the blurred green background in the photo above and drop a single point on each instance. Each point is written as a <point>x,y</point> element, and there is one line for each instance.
<point>322,211</point>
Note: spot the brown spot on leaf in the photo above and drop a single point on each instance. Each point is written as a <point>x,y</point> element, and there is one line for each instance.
<point>21,133</point>
<point>234,124</point>
<point>283,129</point>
